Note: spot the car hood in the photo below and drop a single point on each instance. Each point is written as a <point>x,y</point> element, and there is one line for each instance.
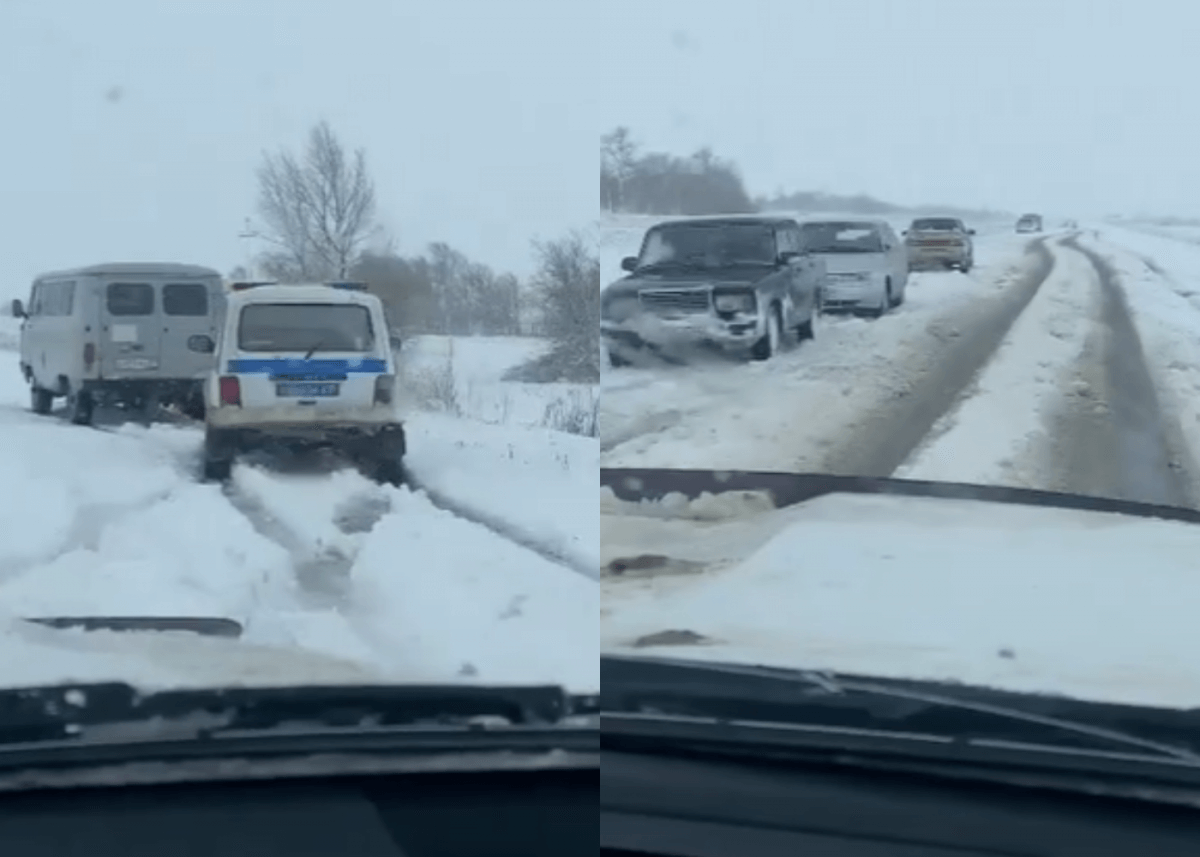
<point>735,276</point>
<point>37,655</point>
<point>1091,605</point>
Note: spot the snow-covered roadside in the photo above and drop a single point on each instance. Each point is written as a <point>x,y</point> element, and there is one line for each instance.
<point>997,434</point>
<point>1165,306</point>
<point>786,413</point>
<point>539,484</point>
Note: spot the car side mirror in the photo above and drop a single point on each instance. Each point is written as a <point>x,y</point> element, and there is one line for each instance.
<point>201,344</point>
<point>396,342</point>
<point>970,231</point>
<point>18,309</point>
<point>905,232</point>
<point>788,256</point>
<point>629,263</point>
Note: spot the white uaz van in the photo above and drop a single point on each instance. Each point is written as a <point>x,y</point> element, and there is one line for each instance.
<point>117,334</point>
<point>302,367</point>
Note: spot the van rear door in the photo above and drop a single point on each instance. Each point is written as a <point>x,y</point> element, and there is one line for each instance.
<point>189,308</point>
<point>130,329</point>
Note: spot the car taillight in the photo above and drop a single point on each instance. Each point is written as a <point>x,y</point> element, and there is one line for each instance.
<point>384,385</point>
<point>231,391</point>
<point>89,355</point>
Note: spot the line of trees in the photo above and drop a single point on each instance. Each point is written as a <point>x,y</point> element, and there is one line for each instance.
<point>319,222</point>
<point>637,182</point>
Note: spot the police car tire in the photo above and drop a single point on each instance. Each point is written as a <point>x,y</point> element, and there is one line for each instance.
<point>390,471</point>
<point>217,469</point>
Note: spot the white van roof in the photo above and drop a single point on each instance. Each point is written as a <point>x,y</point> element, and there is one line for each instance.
<point>134,269</point>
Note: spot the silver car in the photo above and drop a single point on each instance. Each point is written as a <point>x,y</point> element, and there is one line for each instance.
<point>866,265</point>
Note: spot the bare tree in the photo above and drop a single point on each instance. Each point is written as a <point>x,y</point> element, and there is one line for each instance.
<point>618,158</point>
<point>318,210</point>
<point>568,281</point>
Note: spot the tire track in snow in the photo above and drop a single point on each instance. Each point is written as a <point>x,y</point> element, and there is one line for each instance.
<point>1128,448</point>
<point>497,526</point>
<point>321,559</point>
<point>896,429</point>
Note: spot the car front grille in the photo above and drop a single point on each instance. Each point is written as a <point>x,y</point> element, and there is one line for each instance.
<point>676,300</point>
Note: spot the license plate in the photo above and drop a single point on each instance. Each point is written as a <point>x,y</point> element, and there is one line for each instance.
<point>306,391</point>
<point>136,363</point>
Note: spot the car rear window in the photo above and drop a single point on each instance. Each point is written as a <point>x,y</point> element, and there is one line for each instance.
<point>935,225</point>
<point>189,299</point>
<point>305,327</point>
<point>842,237</point>
<point>130,299</point>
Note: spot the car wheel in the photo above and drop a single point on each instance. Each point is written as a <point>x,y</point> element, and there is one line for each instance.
<point>81,408</point>
<point>806,330</point>
<point>40,401</point>
<point>218,457</point>
<point>769,345</point>
<point>885,302</point>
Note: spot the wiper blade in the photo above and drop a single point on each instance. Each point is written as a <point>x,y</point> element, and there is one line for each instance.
<point>313,350</point>
<point>632,686</point>
<point>74,712</point>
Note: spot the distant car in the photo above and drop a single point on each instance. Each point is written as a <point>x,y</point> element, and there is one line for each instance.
<point>1029,223</point>
<point>939,243</point>
<point>737,282</point>
<point>302,367</point>
<point>866,264</point>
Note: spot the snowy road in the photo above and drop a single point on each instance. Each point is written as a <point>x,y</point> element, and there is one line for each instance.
<point>1030,371</point>
<point>411,588</point>
<point>1068,363</point>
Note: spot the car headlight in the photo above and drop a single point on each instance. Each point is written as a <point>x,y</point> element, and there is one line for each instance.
<point>734,302</point>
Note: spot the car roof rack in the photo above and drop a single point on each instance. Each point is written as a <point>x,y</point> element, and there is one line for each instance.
<point>349,286</point>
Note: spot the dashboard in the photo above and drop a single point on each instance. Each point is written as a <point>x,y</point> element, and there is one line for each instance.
<point>493,814</point>
<point>700,807</point>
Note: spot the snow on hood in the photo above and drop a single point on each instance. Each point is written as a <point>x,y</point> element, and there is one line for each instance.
<point>1085,604</point>
<point>36,655</point>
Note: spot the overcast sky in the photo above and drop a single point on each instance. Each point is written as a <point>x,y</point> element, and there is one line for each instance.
<point>132,128</point>
<point>1075,106</point>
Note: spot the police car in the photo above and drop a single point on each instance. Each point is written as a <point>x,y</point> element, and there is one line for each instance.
<point>302,367</point>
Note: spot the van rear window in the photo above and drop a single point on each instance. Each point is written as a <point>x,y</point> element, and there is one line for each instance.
<point>185,299</point>
<point>305,327</point>
<point>130,299</point>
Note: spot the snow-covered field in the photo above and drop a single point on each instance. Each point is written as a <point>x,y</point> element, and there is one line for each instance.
<point>464,377</point>
<point>387,581</point>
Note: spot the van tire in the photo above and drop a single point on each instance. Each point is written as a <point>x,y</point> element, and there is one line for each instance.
<point>40,401</point>
<point>81,408</point>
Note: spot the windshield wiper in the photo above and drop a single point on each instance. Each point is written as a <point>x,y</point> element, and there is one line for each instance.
<point>798,708</point>
<point>313,350</point>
